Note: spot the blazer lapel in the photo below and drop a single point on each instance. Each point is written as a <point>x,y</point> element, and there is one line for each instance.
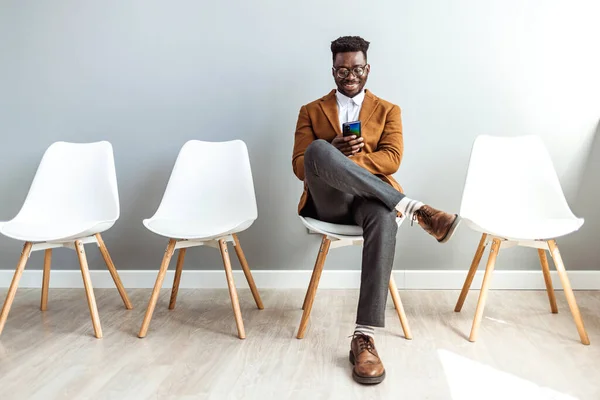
<point>369,105</point>
<point>330,109</point>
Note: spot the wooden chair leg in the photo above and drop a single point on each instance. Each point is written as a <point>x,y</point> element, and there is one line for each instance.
<point>12,290</point>
<point>46,279</point>
<point>471,274</point>
<point>177,278</point>
<point>113,271</point>
<point>487,278</point>
<point>156,291</point>
<point>244,263</point>
<point>399,308</point>
<point>89,291</point>
<point>564,279</point>
<point>312,289</point>
<point>232,290</point>
<point>548,280</point>
<point>312,277</point>
<point>310,285</point>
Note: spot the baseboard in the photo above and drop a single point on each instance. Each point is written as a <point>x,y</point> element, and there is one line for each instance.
<point>405,279</point>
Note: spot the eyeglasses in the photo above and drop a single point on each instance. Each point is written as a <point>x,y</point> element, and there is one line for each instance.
<point>343,73</point>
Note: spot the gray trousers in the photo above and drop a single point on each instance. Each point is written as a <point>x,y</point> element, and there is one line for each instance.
<point>341,192</point>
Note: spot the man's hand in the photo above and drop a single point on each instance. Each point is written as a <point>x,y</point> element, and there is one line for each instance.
<point>348,145</point>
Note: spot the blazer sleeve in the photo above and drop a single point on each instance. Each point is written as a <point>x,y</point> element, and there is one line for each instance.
<point>303,137</point>
<point>385,160</point>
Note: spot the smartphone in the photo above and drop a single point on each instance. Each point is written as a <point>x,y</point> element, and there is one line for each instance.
<point>351,128</point>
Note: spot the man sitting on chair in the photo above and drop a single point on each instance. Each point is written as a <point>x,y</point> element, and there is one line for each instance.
<point>347,180</point>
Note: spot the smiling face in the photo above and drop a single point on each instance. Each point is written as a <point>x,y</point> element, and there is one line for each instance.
<point>346,72</point>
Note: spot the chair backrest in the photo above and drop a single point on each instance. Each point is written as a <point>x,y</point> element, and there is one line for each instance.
<point>211,181</point>
<point>512,176</point>
<point>74,182</point>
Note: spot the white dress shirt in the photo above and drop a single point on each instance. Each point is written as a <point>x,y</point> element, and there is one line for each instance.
<point>349,108</point>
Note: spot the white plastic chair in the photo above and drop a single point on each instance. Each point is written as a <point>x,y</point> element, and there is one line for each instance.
<point>208,200</point>
<point>73,198</point>
<point>335,236</point>
<point>512,196</point>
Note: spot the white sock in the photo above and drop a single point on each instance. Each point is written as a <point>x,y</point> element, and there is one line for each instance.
<point>408,207</point>
<point>365,330</point>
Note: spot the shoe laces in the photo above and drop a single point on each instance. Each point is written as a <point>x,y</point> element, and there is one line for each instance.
<point>364,342</point>
<point>425,214</point>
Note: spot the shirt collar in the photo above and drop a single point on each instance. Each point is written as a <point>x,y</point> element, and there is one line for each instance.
<point>344,100</point>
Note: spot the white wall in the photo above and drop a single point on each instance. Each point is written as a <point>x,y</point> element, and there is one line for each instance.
<point>149,75</point>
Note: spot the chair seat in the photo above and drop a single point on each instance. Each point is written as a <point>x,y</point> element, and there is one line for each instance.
<point>52,231</point>
<point>520,229</point>
<point>339,231</point>
<point>327,228</point>
<point>189,229</point>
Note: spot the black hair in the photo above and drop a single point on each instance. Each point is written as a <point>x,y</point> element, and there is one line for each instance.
<point>346,44</point>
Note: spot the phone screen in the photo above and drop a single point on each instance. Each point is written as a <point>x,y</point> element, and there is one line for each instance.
<point>351,128</point>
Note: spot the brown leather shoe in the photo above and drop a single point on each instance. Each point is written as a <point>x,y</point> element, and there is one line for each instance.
<point>368,368</point>
<point>438,224</point>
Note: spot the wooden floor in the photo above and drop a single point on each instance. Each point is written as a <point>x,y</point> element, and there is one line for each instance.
<point>192,352</point>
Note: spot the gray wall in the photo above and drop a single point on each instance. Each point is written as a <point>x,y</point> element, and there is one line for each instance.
<point>150,75</point>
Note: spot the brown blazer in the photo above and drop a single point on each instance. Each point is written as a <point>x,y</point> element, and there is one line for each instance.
<point>381,129</point>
